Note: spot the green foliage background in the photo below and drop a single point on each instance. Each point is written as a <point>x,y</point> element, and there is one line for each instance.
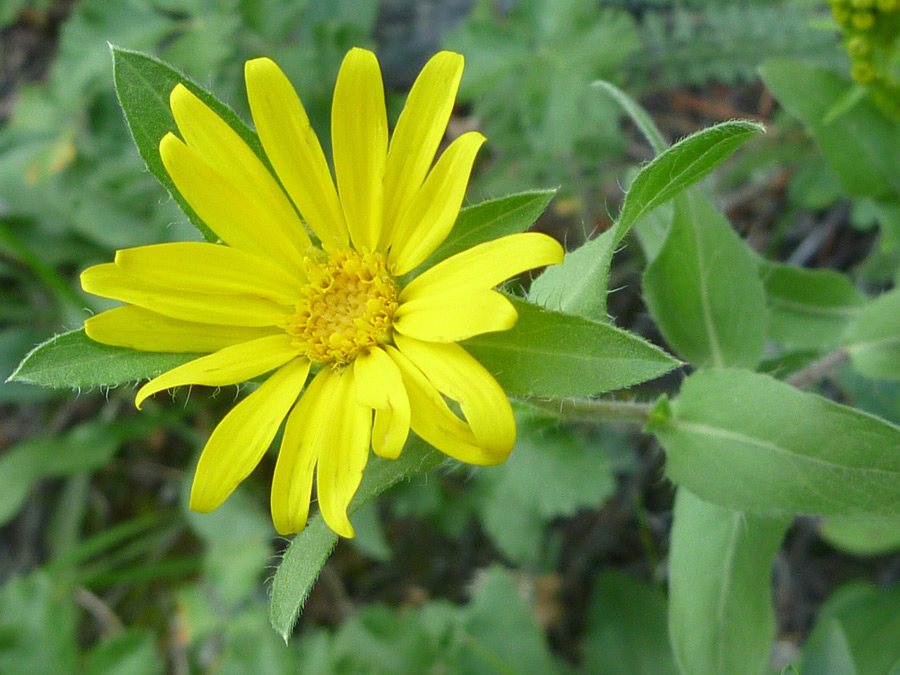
<point>564,559</point>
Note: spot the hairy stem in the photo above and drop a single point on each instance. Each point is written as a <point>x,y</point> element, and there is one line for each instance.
<point>593,410</point>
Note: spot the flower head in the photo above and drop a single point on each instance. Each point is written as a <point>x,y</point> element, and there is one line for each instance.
<point>273,299</point>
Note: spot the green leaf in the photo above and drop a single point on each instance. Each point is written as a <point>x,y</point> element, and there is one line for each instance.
<point>703,289</point>
<point>637,114</point>
<point>85,447</point>
<point>131,652</point>
<point>680,166</point>
<point>579,286</point>
<point>626,630</point>
<point>863,622</point>
<point>808,309</point>
<point>491,219</point>
<point>519,501</point>
<point>862,535</point>
<point>749,442</point>
<point>307,553</point>
<point>556,355</point>
<point>859,146</point>
<point>37,626</point>
<point>720,596</point>
<point>74,360</point>
<point>143,85</point>
<point>503,635</point>
<point>873,338</point>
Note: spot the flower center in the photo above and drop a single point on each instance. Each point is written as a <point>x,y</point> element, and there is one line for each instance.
<point>350,301</point>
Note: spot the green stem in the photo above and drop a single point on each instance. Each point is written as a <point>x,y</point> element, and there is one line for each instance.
<point>595,410</point>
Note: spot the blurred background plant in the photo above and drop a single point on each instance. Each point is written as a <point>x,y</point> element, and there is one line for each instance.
<point>103,568</point>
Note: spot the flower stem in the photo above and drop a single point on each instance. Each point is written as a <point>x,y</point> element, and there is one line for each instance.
<point>593,410</point>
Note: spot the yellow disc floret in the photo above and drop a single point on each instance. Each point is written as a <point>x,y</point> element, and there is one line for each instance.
<point>349,302</point>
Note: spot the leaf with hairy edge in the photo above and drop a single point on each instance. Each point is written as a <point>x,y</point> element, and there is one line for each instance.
<point>492,219</point>
<point>556,355</point>
<point>703,289</point>
<point>751,443</point>
<point>307,553</point>
<point>579,286</point>
<point>143,85</point>
<point>873,338</point>
<point>721,618</point>
<point>74,360</point>
<point>808,309</point>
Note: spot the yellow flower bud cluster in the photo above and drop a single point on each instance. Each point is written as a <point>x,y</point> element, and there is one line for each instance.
<point>870,28</point>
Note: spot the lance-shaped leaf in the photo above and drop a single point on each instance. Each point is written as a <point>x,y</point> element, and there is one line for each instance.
<point>808,309</point>
<point>580,284</point>
<point>703,289</point>
<point>143,85</point>
<point>873,338</point>
<point>74,360</point>
<point>721,618</point>
<point>557,355</point>
<point>303,560</point>
<point>751,443</point>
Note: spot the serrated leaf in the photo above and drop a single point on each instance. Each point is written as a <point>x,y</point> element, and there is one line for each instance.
<point>491,219</point>
<point>751,443</point>
<point>703,289</point>
<point>859,145</point>
<point>581,283</point>
<point>143,85</point>
<point>808,309</point>
<point>873,338</point>
<point>74,360</point>
<point>557,355</point>
<point>304,558</point>
<point>721,618</point>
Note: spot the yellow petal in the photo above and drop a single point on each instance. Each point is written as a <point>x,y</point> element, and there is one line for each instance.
<point>234,214</point>
<point>485,265</point>
<point>139,328</point>
<point>110,281</point>
<point>433,420</point>
<point>294,150</point>
<point>343,444</point>
<point>359,142</point>
<point>242,437</point>
<point>211,268</point>
<point>292,482</point>
<point>229,365</point>
<point>451,318</point>
<point>433,210</point>
<point>419,131</point>
<point>461,378</point>
<point>379,386</point>
<point>217,144</point>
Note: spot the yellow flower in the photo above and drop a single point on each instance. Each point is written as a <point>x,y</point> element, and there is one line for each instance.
<point>271,299</point>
